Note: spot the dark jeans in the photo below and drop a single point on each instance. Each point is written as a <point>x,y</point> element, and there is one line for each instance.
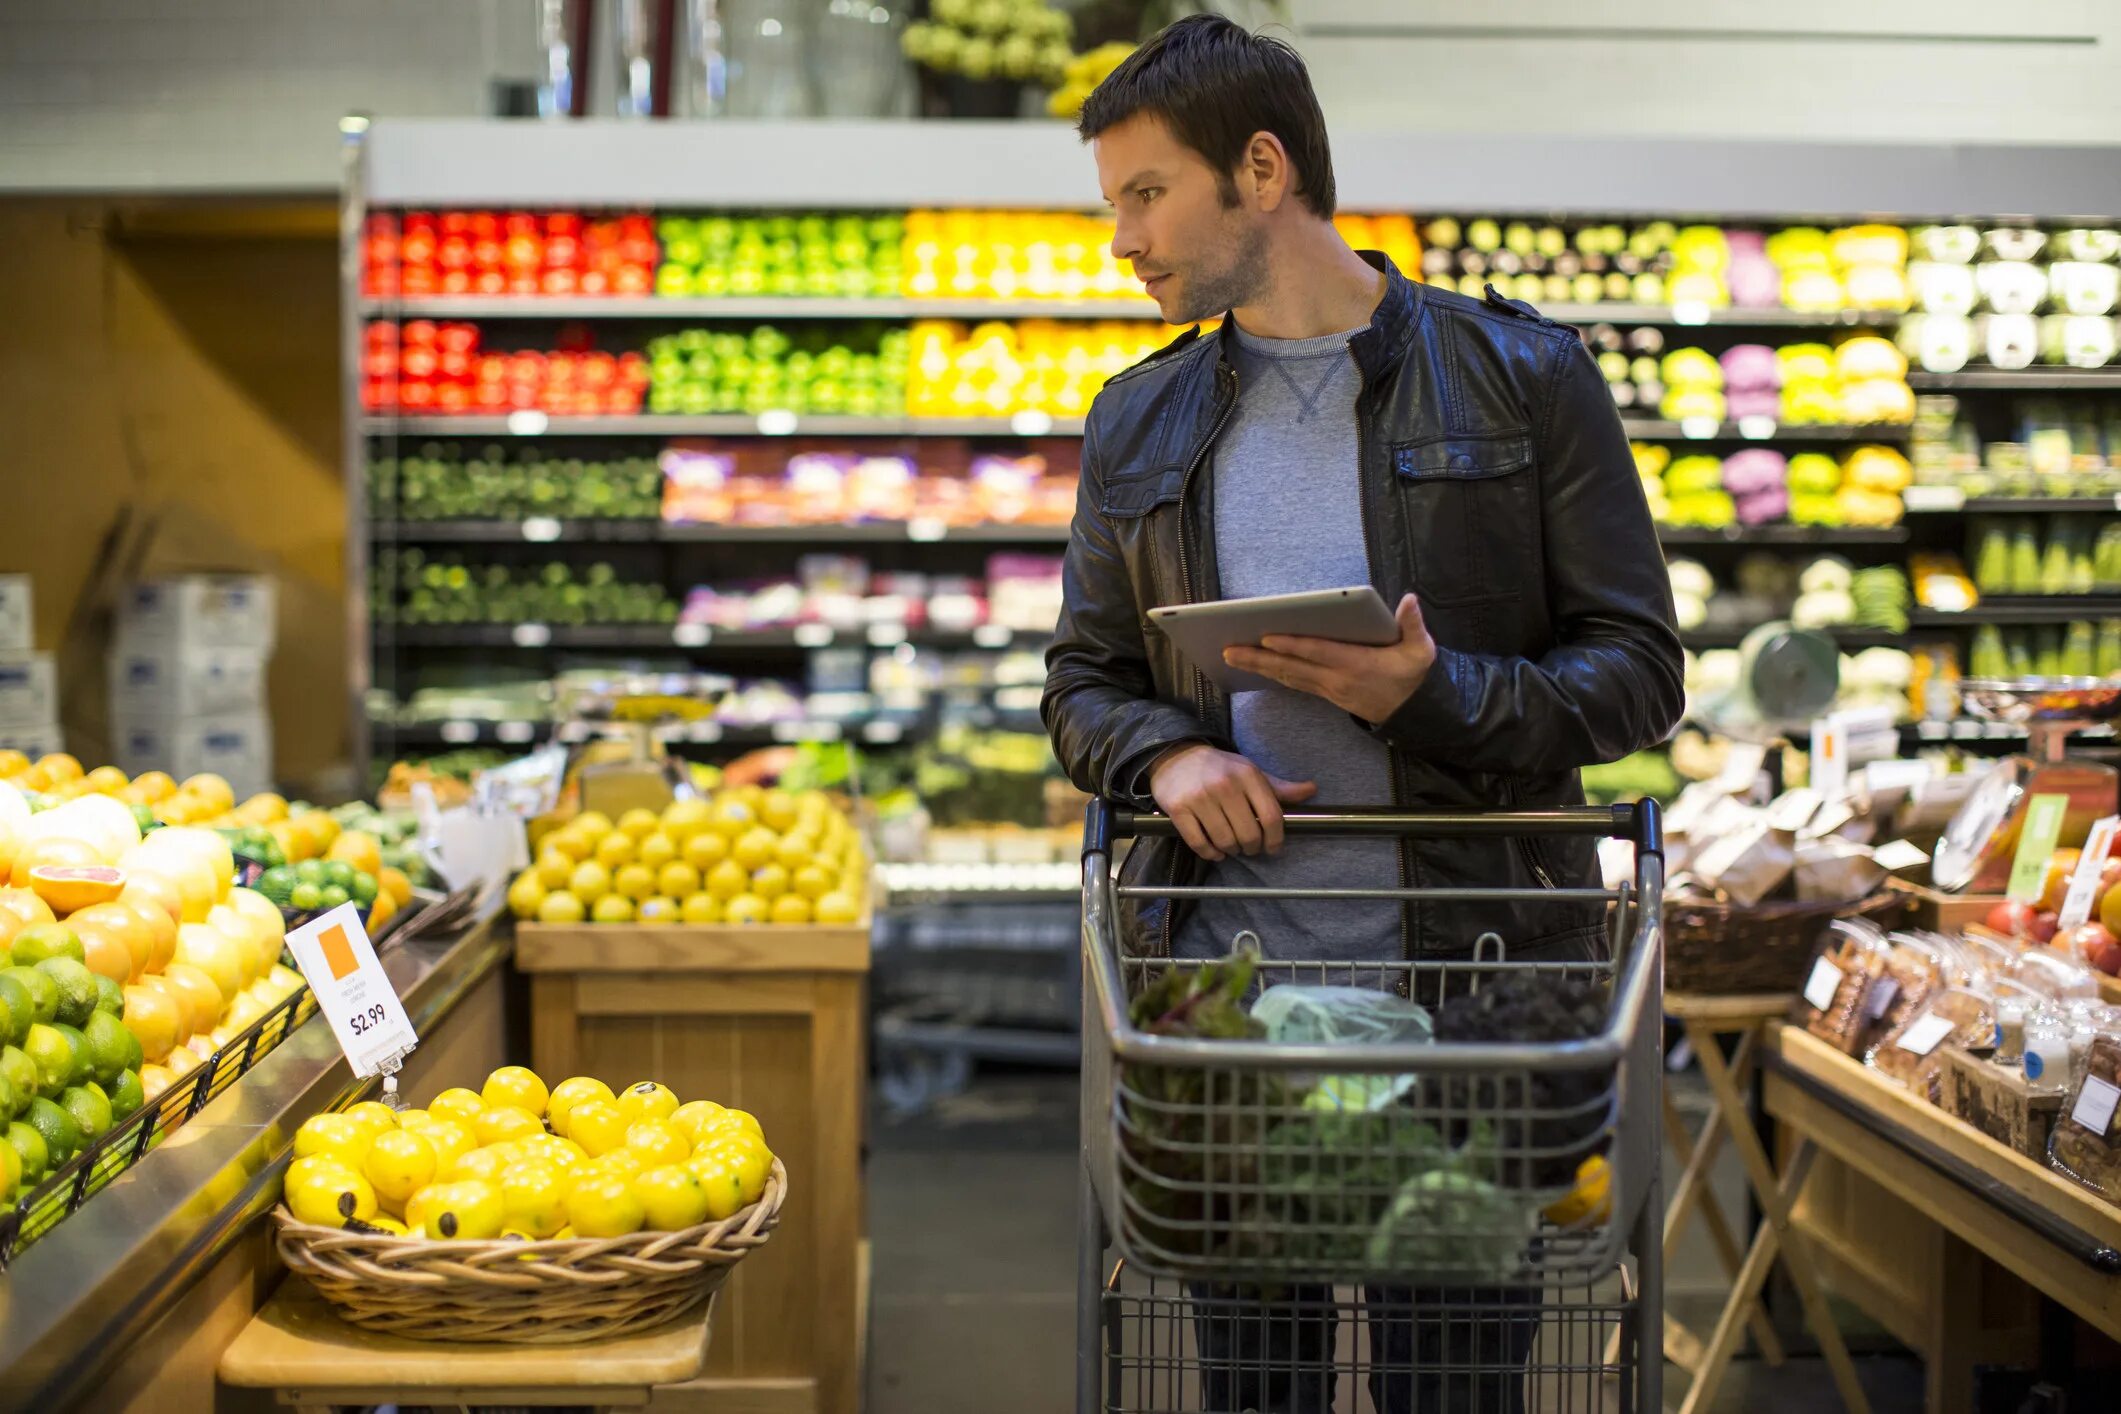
<point>1432,1351</point>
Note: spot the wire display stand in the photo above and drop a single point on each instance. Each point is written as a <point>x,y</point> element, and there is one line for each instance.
<point>1432,1225</point>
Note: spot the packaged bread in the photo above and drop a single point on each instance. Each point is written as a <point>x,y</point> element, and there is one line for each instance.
<point>2083,1144</point>
<point>1914,971</point>
<point>1833,1003</point>
<point>1913,1053</point>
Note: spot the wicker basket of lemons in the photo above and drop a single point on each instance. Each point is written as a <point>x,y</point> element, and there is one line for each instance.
<point>521,1214</point>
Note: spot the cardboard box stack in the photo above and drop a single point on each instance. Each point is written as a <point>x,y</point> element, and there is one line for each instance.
<point>29,686</point>
<point>187,678</point>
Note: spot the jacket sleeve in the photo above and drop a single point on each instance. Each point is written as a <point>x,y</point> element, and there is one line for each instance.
<point>1614,681</point>
<point>1100,706</point>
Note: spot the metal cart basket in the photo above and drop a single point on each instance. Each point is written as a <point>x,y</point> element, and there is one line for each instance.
<point>1483,1213</point>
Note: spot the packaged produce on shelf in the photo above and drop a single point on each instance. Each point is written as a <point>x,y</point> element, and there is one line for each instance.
<point>2055,448</point>
<point>425,367</point>
<point>514,1159</point>
<point>744,856</point>
<point>1941,582</point>
<point>1979,297</point>
<point>1081,75</point>
<point>942,480</point>
<point>1825,592</point>
<point>419,588</point>
<point>2032,555</point>
<point>1020,592</point>
<point>857,370</point>
<point>1861,380</point>
<point>1036,365</point>
<point>2078,649</point>
<point>419,254</point>
<point>438,481</point>
<point>1853,268</point>
<point>847,255</point>
<point>1021,41</point>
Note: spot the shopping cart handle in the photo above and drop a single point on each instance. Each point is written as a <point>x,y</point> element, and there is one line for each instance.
<point>1105,822</point>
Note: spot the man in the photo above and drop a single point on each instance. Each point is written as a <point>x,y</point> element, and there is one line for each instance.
<point>1343,427</point>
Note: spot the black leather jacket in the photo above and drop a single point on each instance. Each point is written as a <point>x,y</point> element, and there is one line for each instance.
<point>1497,486</point>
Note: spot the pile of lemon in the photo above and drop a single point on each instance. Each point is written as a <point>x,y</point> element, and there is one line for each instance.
<point>514,1160</point>
<point>745,855</point>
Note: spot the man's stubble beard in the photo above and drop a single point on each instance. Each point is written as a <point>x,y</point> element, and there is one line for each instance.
<point>1210,294</point>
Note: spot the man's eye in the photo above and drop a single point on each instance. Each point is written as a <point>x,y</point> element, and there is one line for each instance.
<point>1149,194</point>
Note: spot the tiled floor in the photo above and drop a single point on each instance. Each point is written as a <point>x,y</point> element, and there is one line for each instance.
<point>972,1219</point>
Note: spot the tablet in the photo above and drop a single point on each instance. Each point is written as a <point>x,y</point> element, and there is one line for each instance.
<point>1203,631</point>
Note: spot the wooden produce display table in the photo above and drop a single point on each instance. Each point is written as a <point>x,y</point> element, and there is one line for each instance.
<point>769,1019</point>
<point>1932,1228</point>
<point>299,1349</point>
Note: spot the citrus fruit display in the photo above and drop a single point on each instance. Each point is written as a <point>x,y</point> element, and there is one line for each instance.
<point>514,1158</point>
<point>745,855</point>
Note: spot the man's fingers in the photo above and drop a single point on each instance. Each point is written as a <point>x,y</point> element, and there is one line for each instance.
<point>1189,830</point>
<point>1324,652</point>
<point>1409,616</point>
<point>1213,823</point>
<point>1259,795</point>
<point>1292,792</point>
<point>1240,811</point>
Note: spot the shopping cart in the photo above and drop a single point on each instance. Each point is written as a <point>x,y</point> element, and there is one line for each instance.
<point>1440,1226</point>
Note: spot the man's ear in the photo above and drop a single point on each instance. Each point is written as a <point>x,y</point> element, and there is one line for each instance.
<point>1265,170</point>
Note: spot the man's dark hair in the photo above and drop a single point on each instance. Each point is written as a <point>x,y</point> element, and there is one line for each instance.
<point>1216,85</point>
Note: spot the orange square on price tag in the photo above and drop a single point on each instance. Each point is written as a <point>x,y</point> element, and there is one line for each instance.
<point>338,953</point>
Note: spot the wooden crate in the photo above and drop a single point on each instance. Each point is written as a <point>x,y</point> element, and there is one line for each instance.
<point>1996,1100</point>
<point>770,1019</point>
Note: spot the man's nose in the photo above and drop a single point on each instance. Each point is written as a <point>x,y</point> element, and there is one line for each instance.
<point>1124,244</point>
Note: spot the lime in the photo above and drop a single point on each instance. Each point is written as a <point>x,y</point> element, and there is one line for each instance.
<point>54,1056</point>
<point>90,1108</point>
<point>22,1073</point>
<point>277,882</point>
<point>338,872</point>
<point>21,1010</point>
<point>7,1018</point>
<point>306,898</point>
<point>29,1146</point>
<point>110,996</point>
<point>61,1132</point>
<point>111,1048</point>
<point>10,1170</point>
<point>126,1096</point>
<point>312,871</point>
<point>144,817</point>
<point>11,1099</point>
<point>332,896</point>
<point>43,992</point>
<point>362,890</point>
<point>81,1072</point>
<point>42,940</point>
<point>77,988</point>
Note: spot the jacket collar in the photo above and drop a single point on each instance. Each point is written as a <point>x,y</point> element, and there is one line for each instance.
<point>1379,348</point>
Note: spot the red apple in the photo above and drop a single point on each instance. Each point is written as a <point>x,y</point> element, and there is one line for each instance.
<point>2011,918</point>
<point>2043,929</point>
<point>2087,942</point>
<point>2109,960</point>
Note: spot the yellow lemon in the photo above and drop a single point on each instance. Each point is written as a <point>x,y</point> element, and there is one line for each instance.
<point>622,1161</point>
<point>683,819</point>
<point>635,881</point>
<point>794,851</point>
<point>638,823</point>
<point>468,1210</point>
<point>384,1222</point>
<point>612,908</point>
<point>672,1198</point>
<point>769,882</point>
<point>553,867</point>
<point>572,843</point>
<point>334,1136</point>
<point>837,907</point>
<point>604,1207</point>
<point>533,1197</point>
<point>728,880</point>
<point>677,880</point>
<point>812,881</point>
<point>325,1191</point>
<point>737,1119</point>
<point>399,1164</point>
<point>561,907</point>
<point>778,811</point>
<point>599,1126</point>
<point>450,1141</point>
<point>504,1122</point>
<point>456,1103</point>
<point>656,850</point>
<point>657,910</point>
<point>593,823</point>
<point>571,1092</point>
<point>482,1164</point>
<point>657,1143</point>
<point>688,1118</point>
<point>560,1153</point>
<point>701,908</point>
<point>720,1181</point>
<point>753,848</point>
<point>525,894</point>
<point>791,908</point>
<point>704,850</point>
<point>376,1115</point>
<point>746,908</point>
<point>747,1156</point>
<point>615,849</point>
<point>646,1099</point>
<point>590,882</point>
<point>732,817</point>
<point>516,1085</point>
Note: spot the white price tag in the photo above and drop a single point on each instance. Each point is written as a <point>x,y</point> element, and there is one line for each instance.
<point>2095,1105</point>
<point>2084,884</point>
<point>813,635</point>
<point>1881,998</point>
<point>355,995</point>
<point>777,423</point>
<point>527,422</point>
<point>1825,980</point>
<point>691,635</point>
<point>540,530</point>
<point>515,733</point>
<point>992,636</point>
<point>1690,312</point>
<point>1922,1036</point>
<point>886,635</point>
<point>1699,428</point>
<point>1756,428</point>
<point>531,635</point>
<point>460,733</point>
<point>924,530</point>
<point>1933,498</point>
<point>1031,424</point>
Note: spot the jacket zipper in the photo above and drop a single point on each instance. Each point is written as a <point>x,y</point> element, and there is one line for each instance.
<point>1524,843</point>
<point>1369,559</point>
<point>1185,589</point>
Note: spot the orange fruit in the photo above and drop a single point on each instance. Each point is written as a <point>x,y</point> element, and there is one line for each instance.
<point>154,1018</point>
<point>69,888</point>
<point>381,911</point>
<point>358,848</point>
<point>103,945</point>
<point>18,909</point>
<point>393,882</point>
<point>159,928</point>
<point>196,991</point>
<point>157,891</point>
<point>53,851</point>
<point>60,767</point>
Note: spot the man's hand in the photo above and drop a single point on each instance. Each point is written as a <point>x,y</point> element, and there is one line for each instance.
<point>1222,803</point>
<point>1372,683</point>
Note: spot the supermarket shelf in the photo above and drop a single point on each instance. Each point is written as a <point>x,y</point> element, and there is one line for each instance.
<point>1849,639</point>
<point>874,731</point>
<point>1763,429</point>
<point>727,424</point>
<point>1950,500</point>
<point>1799,535</point>
<point>929,878</point>
<point>540,530</point>
<point>2020,380</point>
<point>2040,609</point>
<point>696,637</point>
<point>1966,729</point>
<point>760,307</point>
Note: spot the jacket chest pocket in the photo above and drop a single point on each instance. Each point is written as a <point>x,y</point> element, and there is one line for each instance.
<point>1471,514</point>
<point>1143,511</point>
